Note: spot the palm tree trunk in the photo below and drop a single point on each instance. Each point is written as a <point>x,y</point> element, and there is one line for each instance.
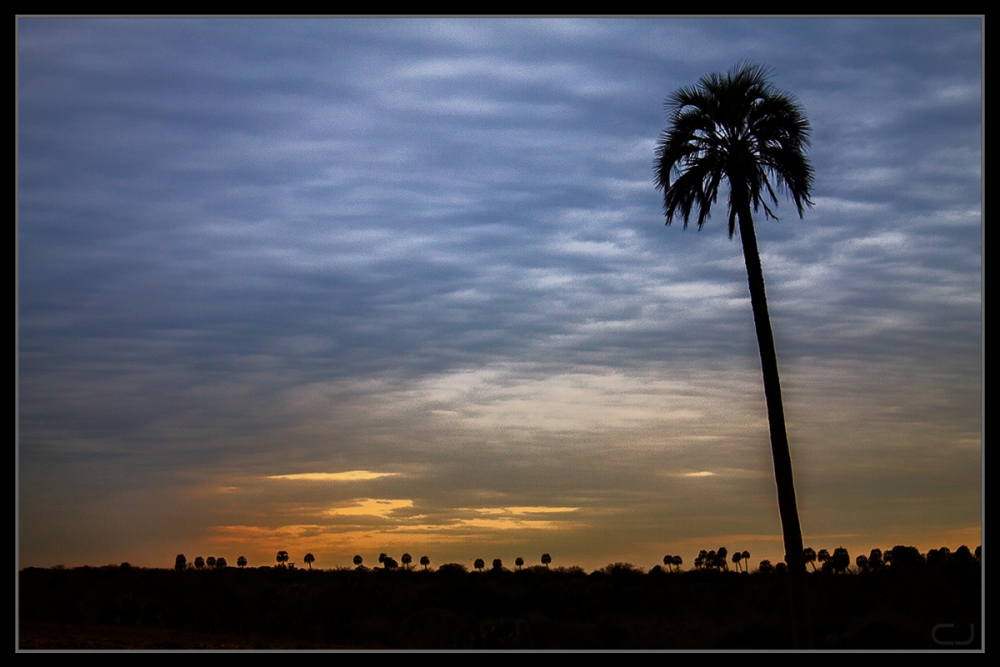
<point>787,508</point>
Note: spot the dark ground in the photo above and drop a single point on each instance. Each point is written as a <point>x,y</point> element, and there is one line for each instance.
<point>131,608</point>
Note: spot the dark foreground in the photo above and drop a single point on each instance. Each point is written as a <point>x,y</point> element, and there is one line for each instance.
<point>114,608</point>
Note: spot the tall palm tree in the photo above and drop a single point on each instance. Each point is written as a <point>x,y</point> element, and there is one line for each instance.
<point>282,558</point>
<point>546,559</point>
<point>241,561</point>
<point>309,559</point>
<point>738,128</point>
<point>406,559</point>
<point>425,561</point>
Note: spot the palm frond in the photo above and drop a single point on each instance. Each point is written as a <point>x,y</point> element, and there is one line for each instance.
<point>735,127</point>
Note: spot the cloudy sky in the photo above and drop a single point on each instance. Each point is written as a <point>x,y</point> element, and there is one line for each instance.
<point>354,286</point>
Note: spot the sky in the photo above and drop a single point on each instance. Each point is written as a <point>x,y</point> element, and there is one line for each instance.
<point>351,286</point>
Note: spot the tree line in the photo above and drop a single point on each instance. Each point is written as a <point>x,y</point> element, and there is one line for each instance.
<point>837,562</point>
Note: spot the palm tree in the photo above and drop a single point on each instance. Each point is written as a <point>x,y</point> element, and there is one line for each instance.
<point>282,558</point>
<point>497,564</point>
<point>518,562</point>
<point>809,556</point>
<point>721,555</point>
<point>199,562</point>
<point>180,562</point>
<point>546,559</point>
<point>479,564</point>
<point>737,557</point>
<point>221,563</point>
<point>358,560</point>
<point>406,559</point>
<point>309,558</point>
<point>737,127</point>
<point>677,562</point>
<point>210,561</point>
<point>425,561</point>
<point>241,561</point>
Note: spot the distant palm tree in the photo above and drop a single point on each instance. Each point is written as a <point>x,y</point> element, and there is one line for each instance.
<point>862,562</point>
<point>210,561</point>
<point>241,561</point>
<point>765,567</point>
<point>221,563</point>
<point>199,562</point>
<point>479,564</point>
<point>358,561</point>
<point>519,562</point>
<point>180,562</point>
<point>282,558</point>
<point>721,555</point>
<point>309,559</point>
<point>737,557</point>
<point>546,559</point>
<point>677,562</point>
<point>738,128</point>
<point>823,556</point>
<point>668,560</point>
<point>840,559</point>
<point>809,556</point>
<point>406,559</point>
<point>497,564</point>
<point>425,561</point>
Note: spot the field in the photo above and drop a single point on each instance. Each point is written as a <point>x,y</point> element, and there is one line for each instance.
<point>273,608</point>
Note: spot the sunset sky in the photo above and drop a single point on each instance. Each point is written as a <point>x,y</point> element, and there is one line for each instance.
<point>352,286</point>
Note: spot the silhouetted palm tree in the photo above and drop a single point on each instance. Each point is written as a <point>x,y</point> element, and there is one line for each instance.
<point>479,564</point>
<point>241,561</point>
<point>199,562</point>
<point>425,561</point>
<point>840,560</point>
<point>668,560</point>
<point>406,559</point>
<point>738,128</point>
<point>358,560</point>
<point>737,557</point>
<point>765,567</point>
<point>210,561</point>
<point>519,562</point>
<point>309,559</point>
<point>546,559</point>
<point>809,556</point>
<point>497,564</point>
<point>282,558</point>
<point>180,562</point>
<point>677,562</point>
<point>221,563</point>
<point>721,556</point>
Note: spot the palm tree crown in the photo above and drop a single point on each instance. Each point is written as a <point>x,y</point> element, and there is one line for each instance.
<point>734,127</point>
